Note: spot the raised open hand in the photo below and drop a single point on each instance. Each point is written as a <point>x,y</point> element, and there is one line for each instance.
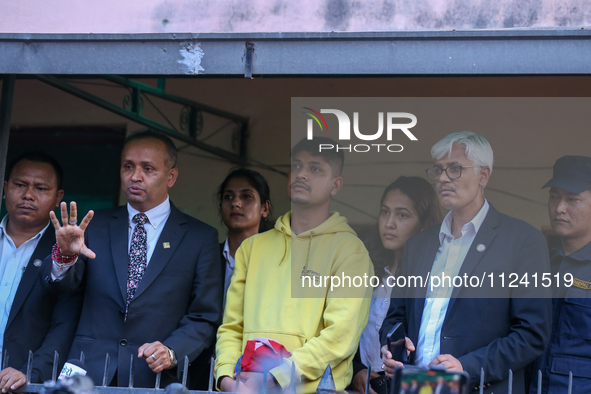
<point>70,235</point>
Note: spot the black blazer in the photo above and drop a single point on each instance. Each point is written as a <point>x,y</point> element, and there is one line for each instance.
<point>497,334</point>
<point>177,303</point>
<point>199,376</point>
<point>40,320</point>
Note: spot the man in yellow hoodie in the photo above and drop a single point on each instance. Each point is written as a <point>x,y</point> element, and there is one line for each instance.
<point>281,286</point>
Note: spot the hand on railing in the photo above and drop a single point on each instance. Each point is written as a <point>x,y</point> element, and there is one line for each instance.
<point>228,385</point>
<point>156,355</point>
<point>11,379</point>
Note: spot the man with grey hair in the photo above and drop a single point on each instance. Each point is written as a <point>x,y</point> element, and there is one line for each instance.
<point>459,328</point>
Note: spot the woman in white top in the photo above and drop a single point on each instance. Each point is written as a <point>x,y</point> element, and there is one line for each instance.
<point>245,204</point>
<point>408,206</point>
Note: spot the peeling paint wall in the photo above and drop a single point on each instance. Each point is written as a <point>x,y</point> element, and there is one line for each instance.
<point>158,16</point>
<point>192,54</point>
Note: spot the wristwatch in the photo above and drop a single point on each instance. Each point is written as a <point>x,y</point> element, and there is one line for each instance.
<point>172,356</point>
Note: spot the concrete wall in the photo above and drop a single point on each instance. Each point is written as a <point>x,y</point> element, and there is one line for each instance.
<point>159,16</point>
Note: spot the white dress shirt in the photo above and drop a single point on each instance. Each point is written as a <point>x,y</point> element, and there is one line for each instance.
<point>157,217</point>
<point>448,260</point>
<point>13,262</point>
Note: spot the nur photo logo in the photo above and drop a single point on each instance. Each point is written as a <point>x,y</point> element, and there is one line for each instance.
<point>392,122</point>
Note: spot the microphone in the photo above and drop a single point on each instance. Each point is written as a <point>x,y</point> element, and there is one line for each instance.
<point>176,388</point>
<point>76,384</point>
<point>73,367</point>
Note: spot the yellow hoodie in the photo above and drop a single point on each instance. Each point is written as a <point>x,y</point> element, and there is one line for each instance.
<point>266,299</point>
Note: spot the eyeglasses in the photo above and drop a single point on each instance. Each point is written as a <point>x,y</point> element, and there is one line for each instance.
<point>452,172</point>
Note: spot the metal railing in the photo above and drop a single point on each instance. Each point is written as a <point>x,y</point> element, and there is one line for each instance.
<point>104,388</point>
<point>325,386</point>
<point>130,389</point>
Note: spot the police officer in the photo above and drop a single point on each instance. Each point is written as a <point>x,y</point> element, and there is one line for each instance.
<point>569,350</point>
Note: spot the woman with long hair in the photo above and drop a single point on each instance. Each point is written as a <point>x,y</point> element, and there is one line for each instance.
<point>244,202</point>
<point>408,206</point>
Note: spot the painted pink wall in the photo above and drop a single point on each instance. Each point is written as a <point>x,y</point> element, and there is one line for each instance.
<point>158,16</point>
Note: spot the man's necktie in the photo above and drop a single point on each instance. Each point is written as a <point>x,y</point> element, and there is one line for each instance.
<point>138,252</point>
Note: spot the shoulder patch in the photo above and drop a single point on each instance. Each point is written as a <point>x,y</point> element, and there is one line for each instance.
<point>581,284</point>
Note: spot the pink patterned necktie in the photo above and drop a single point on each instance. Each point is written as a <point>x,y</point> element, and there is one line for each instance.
<point>138,252</point>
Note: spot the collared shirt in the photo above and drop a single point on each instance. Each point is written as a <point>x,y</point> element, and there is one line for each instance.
<point>576,263</point>
<point>229,268</point>
<point>157,217</point>
<point>13,262</point>
<point>448,261</point>
<point>369,344</point>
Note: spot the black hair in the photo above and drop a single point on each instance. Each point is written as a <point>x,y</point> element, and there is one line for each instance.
<point>425,202</point>
<point>335,158</point>
<point>39,157</point>
<point>146,134</point>
<point>254,179</point>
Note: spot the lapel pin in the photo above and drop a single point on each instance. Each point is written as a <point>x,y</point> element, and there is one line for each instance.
<point>166,245</point>
<point>37,263</point>
<point>480,247</point>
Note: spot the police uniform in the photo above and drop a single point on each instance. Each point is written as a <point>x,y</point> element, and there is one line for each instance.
<point>569,349</point>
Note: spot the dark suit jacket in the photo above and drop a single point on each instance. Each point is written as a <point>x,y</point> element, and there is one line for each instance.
<point>497,334</point>
<point>178,301</point>
<point>40,320</point>
<point>200,373</point>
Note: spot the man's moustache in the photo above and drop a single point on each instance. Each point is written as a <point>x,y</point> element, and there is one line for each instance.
<point>135,185</point>
<point>30,206</point>
<point>301,184</point>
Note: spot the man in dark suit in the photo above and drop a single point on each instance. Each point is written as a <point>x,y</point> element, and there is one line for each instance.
<point>31,318</point>
<point>151,273</point>
<point>457,327</point>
